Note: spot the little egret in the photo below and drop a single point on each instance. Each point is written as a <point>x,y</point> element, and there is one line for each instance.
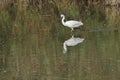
<point>71,42</point>
<point>71,23</point>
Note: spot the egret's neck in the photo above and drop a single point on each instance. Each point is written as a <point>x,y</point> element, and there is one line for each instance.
<point>63,18</point>
<point>64,47</point>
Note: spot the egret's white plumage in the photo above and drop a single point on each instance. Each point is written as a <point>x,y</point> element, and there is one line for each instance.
<point>71,42</point>
<point>71,23</point>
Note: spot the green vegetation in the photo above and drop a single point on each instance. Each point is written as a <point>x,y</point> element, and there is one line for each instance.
<point>32,36</point>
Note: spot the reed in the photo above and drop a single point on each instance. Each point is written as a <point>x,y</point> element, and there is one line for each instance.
<point>55,6</point>
<point>25,17</point>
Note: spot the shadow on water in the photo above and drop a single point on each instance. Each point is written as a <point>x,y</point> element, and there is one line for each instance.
<point>31,46</point>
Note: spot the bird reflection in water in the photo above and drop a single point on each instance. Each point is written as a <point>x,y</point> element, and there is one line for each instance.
<point>73,41</point>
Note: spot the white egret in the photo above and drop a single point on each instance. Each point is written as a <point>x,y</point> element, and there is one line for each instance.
<point>71,42</point>
<point>71,23</point>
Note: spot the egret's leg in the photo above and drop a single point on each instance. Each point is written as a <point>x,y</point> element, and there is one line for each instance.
<point>72,29</point>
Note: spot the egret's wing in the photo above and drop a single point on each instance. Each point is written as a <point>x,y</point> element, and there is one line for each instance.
<point>73,23</point>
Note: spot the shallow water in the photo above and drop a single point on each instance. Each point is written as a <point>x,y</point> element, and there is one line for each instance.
<point>38,54</point>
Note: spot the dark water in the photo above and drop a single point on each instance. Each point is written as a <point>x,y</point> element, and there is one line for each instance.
<point>40,55</point>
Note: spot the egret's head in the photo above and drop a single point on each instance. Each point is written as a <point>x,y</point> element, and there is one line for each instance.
<point>62,15</point>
